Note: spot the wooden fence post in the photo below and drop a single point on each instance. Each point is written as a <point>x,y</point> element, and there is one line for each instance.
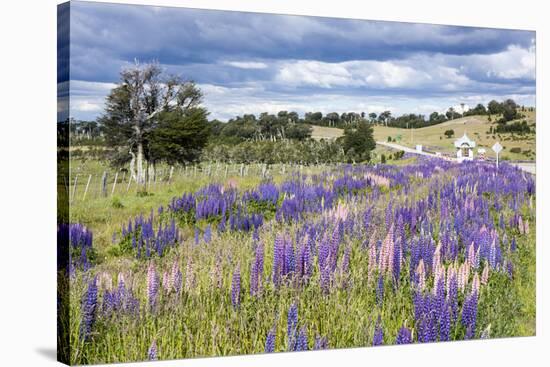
<point>104,184</point>
<point>87,185</point>
<point>74,187</point>
<point>170,175</point>
<point>114,183</point>
<point>129,182</point>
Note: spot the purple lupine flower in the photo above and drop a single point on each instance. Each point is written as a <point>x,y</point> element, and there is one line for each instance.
<point>324,251</point>
<point>469,314</point>
<point>345,259</point>
<point>404,336</point>
<point>270,341</point>
<point>152,286</point>
<point>278,259</point>
<point>324,279</point>
<point>397,259</point>
<point>510,269</point>
<point>289,265</point>
<point>452,296</point>
<point>301,340</point>
<point>152,352</point>
<point>88,309</point>
<point>208,234</point>
<point>380,291</point>
<point>197,235</point>
<point>292,321</point>
<point>236,287</point>
<point>320,343</point>
<point>445,323</point>
<point>254,278</point>
<point>378,338</point>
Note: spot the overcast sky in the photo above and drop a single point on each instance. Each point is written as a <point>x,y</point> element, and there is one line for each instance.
<point>250,63</point>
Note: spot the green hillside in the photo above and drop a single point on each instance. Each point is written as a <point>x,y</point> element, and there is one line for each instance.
<point>433,137</point>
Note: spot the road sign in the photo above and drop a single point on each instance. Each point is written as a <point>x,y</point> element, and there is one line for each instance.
<point>497,148</point>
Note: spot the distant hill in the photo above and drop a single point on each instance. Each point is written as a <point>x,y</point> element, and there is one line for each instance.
<point>433,137</point>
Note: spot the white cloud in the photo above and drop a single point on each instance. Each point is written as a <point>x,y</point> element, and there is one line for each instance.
<point>514,63</point>
<point>85,106</point>
<point>315,73</point>
<point>80,86</point>
<point>374,74</point>
<point>246,64</point>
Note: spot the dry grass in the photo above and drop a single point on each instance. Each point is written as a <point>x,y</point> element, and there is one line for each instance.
<point>477,128</point>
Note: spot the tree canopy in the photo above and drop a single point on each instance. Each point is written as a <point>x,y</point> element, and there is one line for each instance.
<point>358,143</point>
<point>150,114</point>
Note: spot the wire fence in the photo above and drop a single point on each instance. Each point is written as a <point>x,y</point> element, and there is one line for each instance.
<point>83,186</point>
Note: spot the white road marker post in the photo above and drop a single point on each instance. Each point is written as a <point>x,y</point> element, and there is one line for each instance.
<point>497,149</point>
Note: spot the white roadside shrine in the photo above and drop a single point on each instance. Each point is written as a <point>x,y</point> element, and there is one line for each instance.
<point>465,148</point>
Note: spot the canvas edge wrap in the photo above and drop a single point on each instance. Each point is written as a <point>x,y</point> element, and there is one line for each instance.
<point>63,77</point>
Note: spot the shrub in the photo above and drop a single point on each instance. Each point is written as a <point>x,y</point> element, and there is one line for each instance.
<point>449,133</point>
<point>116,203</point>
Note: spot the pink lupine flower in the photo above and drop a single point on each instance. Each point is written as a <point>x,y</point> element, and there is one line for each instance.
<point>437,258</point>
<point>378,180</point>
<point>439,278</point>
<point>476,283</point>
<point>463,276</point>
<point>421,274</point>
<point>105,281</point>
<point>471,255</point>
<point>526,226</point>
<point>386,252</point>
<point>451,273</point>
<point>341,212</point>
<point>174,273</point>
<point>372,257</point>
<point>166,281</point>
<point>189,275</point>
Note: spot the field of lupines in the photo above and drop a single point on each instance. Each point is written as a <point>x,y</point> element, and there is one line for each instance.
<point>355,256</point>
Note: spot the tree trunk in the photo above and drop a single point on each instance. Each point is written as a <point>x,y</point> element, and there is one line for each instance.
<point>139,163</point>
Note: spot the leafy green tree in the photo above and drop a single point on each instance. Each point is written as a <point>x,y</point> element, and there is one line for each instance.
<point>494,107</point>
<point>358,143</point>
<point>180,136</point>
<point>509,110</point>
<point>133,108</point>
<point>298,131</point>
<point>449,133</point>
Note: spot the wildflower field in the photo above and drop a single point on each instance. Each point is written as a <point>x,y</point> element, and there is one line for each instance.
<point>356,255</point>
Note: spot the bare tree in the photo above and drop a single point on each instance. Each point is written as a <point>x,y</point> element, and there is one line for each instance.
<point>133,106</point>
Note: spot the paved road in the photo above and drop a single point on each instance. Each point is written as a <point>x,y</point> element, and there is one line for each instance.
<point>527,167</point>
<point>403,148</point>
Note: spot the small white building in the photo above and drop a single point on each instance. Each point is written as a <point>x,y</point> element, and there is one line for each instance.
<point>419,148</point>
<point>464,148</point>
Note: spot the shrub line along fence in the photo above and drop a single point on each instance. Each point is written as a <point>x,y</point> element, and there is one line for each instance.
<point>82,186</point>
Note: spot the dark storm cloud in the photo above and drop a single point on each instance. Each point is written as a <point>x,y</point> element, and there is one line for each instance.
<point>296,56</point>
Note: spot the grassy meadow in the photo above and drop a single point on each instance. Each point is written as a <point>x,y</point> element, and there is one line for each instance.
<point>352,239</point>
